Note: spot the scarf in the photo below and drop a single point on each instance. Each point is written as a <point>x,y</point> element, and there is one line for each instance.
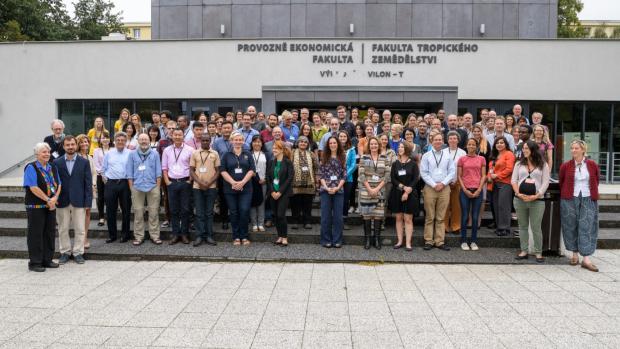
<point>304,179</point>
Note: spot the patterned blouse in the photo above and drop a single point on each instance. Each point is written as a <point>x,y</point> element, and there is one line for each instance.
<point>373,173</point>
<point>332,172</point>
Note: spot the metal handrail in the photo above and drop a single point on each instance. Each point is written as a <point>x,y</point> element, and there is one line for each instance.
<point>17,165</point>
<point>615,168</point>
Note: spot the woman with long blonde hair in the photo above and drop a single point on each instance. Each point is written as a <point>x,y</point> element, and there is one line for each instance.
<point>95,133</point>
<point>123,118</point>
<point>83,150</point>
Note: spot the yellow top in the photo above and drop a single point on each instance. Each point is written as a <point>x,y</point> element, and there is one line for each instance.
<point>118,125</point>
<point>94,138</point>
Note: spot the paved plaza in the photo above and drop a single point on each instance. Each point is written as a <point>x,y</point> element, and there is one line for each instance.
<point>124,304</point>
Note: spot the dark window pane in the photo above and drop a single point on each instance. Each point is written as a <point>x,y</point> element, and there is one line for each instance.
<point>569,123</point>
<point>145,109</point>
<point>94,109</point>
<point>598,123</point>
<point>548,112</point>
<point>70,112</point>
<point>176,107</point>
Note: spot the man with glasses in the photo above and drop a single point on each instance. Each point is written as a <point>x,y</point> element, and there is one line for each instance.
<point>55,139</point>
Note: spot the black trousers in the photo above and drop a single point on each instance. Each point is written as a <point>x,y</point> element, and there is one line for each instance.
<point>179,197</point>
<point>40,239</point>
<point>100,197</point>
<point>279,208</point>
<point>224,218</point>
<point>117,191</point>
<point>301,207</point>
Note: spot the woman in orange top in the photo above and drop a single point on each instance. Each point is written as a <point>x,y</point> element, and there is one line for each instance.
<point>502,162</point>
<point>369,131</point>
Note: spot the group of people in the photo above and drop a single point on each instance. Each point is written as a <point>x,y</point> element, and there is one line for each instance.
<point>251,168</point>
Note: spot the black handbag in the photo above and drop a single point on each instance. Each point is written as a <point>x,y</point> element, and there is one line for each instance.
<point>257,192</point>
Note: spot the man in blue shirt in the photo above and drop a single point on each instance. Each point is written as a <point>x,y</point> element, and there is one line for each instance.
<point>117,187</point>
<point>76,197</point>
<point>437,171</point>
<point>290,131</point>
<point>247,131</point>
<point>144,179</point>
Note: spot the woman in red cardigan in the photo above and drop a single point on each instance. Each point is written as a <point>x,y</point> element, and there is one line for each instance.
<point>578,205</point>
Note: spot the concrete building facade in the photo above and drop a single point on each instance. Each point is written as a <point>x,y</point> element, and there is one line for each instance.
<point>194,19</point>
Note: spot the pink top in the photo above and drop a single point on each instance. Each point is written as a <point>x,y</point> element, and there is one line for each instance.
<point>193,143</point>
<point>98,156</point>
<point>471,170</point>
<point>176,161</point>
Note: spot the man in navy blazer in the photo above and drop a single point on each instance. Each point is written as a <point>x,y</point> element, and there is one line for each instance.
<point>74,170</point>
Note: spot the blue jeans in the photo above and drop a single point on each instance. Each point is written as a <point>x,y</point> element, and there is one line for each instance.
<point>239,204</point>
<point>331,218</point>
<point>179,196</point>
<point>468,204</point>
<point>203,202</point>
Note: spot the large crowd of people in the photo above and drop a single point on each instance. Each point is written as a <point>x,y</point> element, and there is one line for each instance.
<point>250,168</point>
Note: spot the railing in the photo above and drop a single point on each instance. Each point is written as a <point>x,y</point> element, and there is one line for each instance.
<point>609,164</point>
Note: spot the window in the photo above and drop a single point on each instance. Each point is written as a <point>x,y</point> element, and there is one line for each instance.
<point>136,33</point>
<point>598,124</point>
<point>569,122</point>
<point>176,107</point>
<point>145,110</point>
<point>93,109</point>
<point>71,112</point>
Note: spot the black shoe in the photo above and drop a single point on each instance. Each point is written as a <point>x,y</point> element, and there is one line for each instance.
<point>294,226</point>
<point>307,226</point>
<point>210,241</point>
<point>175,240</point>
<point>36,268</point>
<point>491,225</point>
<point>516,232</point>
<point>100,224</point>
<point>198,242</point>
<point>51,265</point>
<point>224,226</point>
<point>110,240</point>
<point>518,257</point>
<point>443,247</point>
<point>540,259</point>
<point>123,240</point>
<point>184,239</point>
<point>367,229</point>
<point>428,247</point>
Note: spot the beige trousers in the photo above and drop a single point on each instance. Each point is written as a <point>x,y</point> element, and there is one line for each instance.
<point>435,204</point>
<point>66,216</point>
<point>137,202</point>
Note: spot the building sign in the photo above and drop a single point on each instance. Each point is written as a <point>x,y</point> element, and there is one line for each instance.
<point>379,59</point>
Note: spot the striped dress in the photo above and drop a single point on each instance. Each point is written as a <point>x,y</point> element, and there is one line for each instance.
<point>373,173</point>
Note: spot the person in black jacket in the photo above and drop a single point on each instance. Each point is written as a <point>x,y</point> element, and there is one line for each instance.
<point>403,200</point>
<point>452,123</point>
<point>55,139</point>
<point>279,177</point>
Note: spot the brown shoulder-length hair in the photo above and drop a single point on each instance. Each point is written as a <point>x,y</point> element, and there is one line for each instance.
<point>285,150</point>
<point>327,152</point>
<point>367,149</point>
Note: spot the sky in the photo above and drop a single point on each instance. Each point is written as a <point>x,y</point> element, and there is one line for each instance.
<point>140,10</point>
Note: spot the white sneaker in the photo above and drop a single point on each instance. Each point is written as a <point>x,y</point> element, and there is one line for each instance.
<point>351,209</point>
<point>464,246</point>
<point>474,247</point>
<point>255,228</point>
<point>261,228</point>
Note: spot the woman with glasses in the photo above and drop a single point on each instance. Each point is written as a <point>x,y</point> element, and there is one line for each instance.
<point>579,180</point>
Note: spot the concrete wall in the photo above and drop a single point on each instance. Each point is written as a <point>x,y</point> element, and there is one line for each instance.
<point>183,19</point>
<point>35,75</point>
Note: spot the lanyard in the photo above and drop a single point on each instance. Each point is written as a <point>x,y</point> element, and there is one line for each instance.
<point>143,158</point>
<point>176,157</point>
<point>256,159</point>
<point>450,152</point>
<point>194,141</point>
<point>435,157</point>
<point>204,160</point>
<point>375,164</point>
<point>50,181</point>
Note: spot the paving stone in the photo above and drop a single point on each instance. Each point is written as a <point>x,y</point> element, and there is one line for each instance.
<point>278,339</point>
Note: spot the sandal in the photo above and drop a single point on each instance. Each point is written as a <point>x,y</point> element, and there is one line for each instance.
<point>137,242</point>
<point>590,267</point>
<point>101,223</point>
<point>574,261</point>
<point>156,241</point>
<point>237,242</point>
<point>245,242</point>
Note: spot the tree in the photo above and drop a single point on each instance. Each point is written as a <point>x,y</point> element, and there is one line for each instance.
<point>600,33</point>
<point>94,19</point>
<point>568,22</point>
<point>46,20</point>
<point>616,33</point>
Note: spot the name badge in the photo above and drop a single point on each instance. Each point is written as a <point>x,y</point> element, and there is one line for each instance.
<point>375,178</point>
<point>333,178</point>
<point>530,181</point>
<point>276,181</point>
<point>402,172</point>
<point>357,157</point>
<point>55,154</point>
<point>304,169</point>
<point>238,170</point>
<point>291,138</point>
<point>202,170</point>
<point>176,167</point>
<point>141,168</point>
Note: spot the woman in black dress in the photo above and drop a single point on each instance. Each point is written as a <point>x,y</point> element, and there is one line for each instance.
<point>403,200</point>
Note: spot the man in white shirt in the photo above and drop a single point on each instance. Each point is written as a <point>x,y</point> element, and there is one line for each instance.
<point>437,170</point>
